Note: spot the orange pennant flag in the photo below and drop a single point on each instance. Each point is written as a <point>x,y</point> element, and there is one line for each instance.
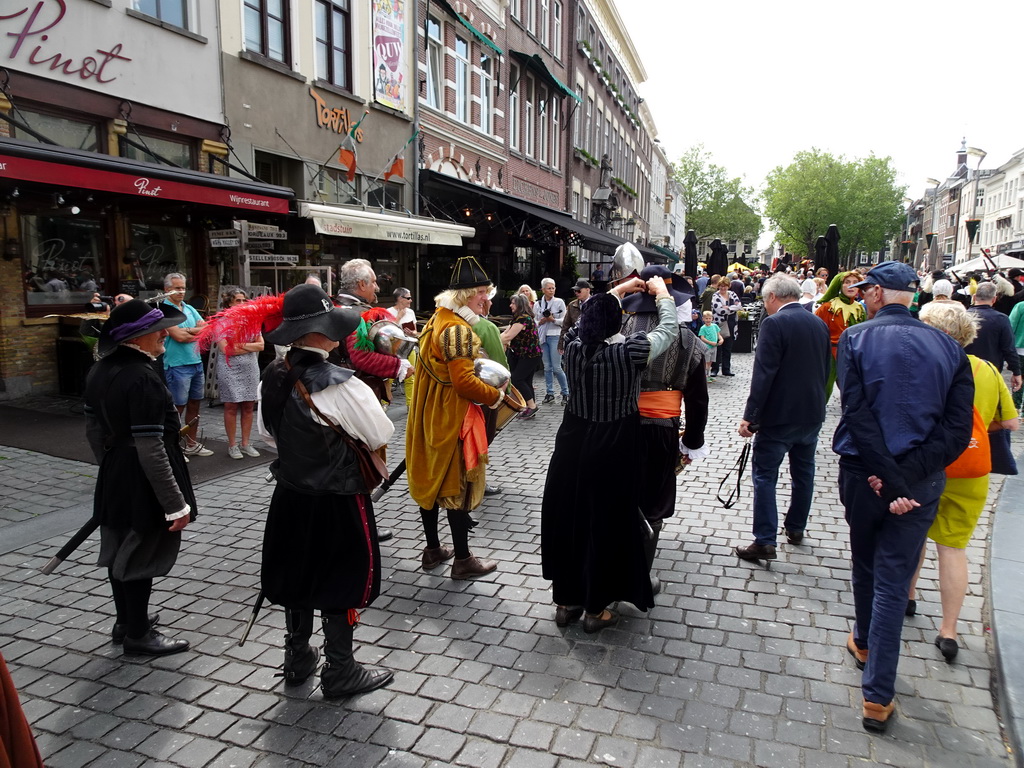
<point>347,157</point>
<point>397,168</point>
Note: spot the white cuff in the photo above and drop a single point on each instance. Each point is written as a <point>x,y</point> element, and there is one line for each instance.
<point>404,369</point>
<point>187,510</point>
<point>695,454</point>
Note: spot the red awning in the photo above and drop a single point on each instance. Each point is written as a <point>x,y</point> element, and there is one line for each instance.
<point>20,161</point>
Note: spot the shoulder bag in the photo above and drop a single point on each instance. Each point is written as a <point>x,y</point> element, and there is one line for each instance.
<point>1003,462</point>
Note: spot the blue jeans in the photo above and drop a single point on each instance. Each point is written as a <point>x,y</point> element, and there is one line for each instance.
<point>185,383</point>
<point>771,444</point>
<point>553,365</point>
<point>885,549</point>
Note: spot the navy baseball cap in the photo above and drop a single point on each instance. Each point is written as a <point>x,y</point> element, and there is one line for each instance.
<point>894,275</point>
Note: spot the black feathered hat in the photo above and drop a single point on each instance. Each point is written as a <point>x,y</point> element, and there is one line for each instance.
<point>307,309</point>
<point>133,319</point>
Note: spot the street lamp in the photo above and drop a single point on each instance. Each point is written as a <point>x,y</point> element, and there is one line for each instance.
<point>973,222</point>
<point>933,263</point>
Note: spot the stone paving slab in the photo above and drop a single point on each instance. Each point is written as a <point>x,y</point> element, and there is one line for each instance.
<point>736,666</point>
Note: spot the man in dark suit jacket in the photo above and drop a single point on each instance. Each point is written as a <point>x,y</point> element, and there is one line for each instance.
<point>787,406</point>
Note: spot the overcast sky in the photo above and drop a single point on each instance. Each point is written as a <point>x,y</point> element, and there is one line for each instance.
<point>756,82</point>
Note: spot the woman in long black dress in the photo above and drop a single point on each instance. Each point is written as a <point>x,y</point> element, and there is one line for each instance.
<point>592,530</point>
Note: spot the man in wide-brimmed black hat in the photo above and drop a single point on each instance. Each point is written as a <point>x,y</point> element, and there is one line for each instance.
<point>320,545</point>
<point>673,379</point>
<point>143,494</point>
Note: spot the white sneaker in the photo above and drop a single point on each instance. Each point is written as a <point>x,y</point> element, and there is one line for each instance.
<point>234,452</point>
<point>248,450</point>
<point>197,449</point>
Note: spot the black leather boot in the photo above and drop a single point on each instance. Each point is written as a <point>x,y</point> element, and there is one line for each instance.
<point>300,658</point>
<point>651,549</point>
<point>342,675</point>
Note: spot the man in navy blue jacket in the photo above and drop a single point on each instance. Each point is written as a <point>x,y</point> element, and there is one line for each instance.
<point>907,399</point>
<point>787,405</point>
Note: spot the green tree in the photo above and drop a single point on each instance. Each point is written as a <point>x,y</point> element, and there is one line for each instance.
<point>859,196</point>
<point>716,205</point>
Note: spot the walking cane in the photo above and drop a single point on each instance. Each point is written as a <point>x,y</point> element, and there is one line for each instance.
<point>74,543</point>
<point>252,619</point>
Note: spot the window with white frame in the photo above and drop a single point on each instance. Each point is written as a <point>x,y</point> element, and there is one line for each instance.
<point>172,11</point>
<point>577,137</point>
<point>556,29</point>
<point>513,107</point>
<point>544,23</point>
<point>588,131</point>
<point>556,132</point>
<point>333,43</point>
<point>542,124</point>
<point>530,12</point>
<point>462,94</point>
<point>575,205</point>
<point>586,210</point>
<point>486,93</point>
<point>515,8</point>
<point>435,64</point>
<point>267,28</point>
<point>529,129</point>
<point>581,23</point>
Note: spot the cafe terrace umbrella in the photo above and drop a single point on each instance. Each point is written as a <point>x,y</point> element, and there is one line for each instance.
<point>690,254</point>
<point>718,260</point>
<point>831,260</point>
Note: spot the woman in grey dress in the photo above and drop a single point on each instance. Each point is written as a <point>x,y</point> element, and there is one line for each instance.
<point>238,378</point>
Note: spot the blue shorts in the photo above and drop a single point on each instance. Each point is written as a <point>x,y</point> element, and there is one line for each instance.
<point>185,383</point>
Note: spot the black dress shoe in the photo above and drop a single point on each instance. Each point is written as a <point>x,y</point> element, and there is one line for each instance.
<point>794,537</point>
<point>728,374</point>
<point>385,534</point>
<point>153,644</point>
<point>911,609</point>
<point>567,614</point>
<point>592,624</point>
<point>947,646</point>
<point>756,552</point>
<point>118,633</point>
<point>491,490</point>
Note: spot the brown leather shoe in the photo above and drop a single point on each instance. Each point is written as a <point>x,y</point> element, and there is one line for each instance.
<point>877,716</point>
<point>567,614</point>
<point>595,623</point>
<point>756,552</point>
<point>860,656</point>
<point>471,567</point>
<point>434,556</point>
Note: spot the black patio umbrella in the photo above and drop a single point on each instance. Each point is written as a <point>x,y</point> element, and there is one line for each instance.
<point>690,254</point>
<point>819,253</point>
<point>718,261</point>
<point>832,251</point>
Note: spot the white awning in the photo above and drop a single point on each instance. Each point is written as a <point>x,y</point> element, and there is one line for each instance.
<point>344,221</point>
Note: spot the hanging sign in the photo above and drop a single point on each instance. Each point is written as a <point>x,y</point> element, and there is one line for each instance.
<point>389,53</point>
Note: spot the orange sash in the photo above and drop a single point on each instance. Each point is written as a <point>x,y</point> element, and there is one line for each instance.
<point>473,435</point>
<point>661,405</point>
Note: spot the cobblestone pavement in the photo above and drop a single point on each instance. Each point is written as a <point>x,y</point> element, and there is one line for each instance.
<point>736,666</point>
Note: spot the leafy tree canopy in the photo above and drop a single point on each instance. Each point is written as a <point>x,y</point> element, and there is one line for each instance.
<point>859,196</point>
<point>716,205</point>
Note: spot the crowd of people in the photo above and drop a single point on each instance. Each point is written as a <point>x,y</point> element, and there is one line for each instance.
<point>632,368</point>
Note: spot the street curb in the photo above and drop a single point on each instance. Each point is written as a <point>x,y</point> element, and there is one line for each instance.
<point>1006,574</point>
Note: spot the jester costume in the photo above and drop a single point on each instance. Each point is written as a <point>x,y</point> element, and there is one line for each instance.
<point>839,312</point>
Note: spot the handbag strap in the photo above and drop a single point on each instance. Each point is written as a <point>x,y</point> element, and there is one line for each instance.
<point>739,467</point>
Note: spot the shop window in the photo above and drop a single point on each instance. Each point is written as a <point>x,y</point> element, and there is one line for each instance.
<point>172,11</point>
<point>461,80</point>
<point>73,134</point>
<point>155,250</point>
<point>267,29</point>
<point>64,260</point>
<point>334,187</point>
<point>435,64</point>
<point>333,62</point>
<point>178,152</point>
<point>387,196</point>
